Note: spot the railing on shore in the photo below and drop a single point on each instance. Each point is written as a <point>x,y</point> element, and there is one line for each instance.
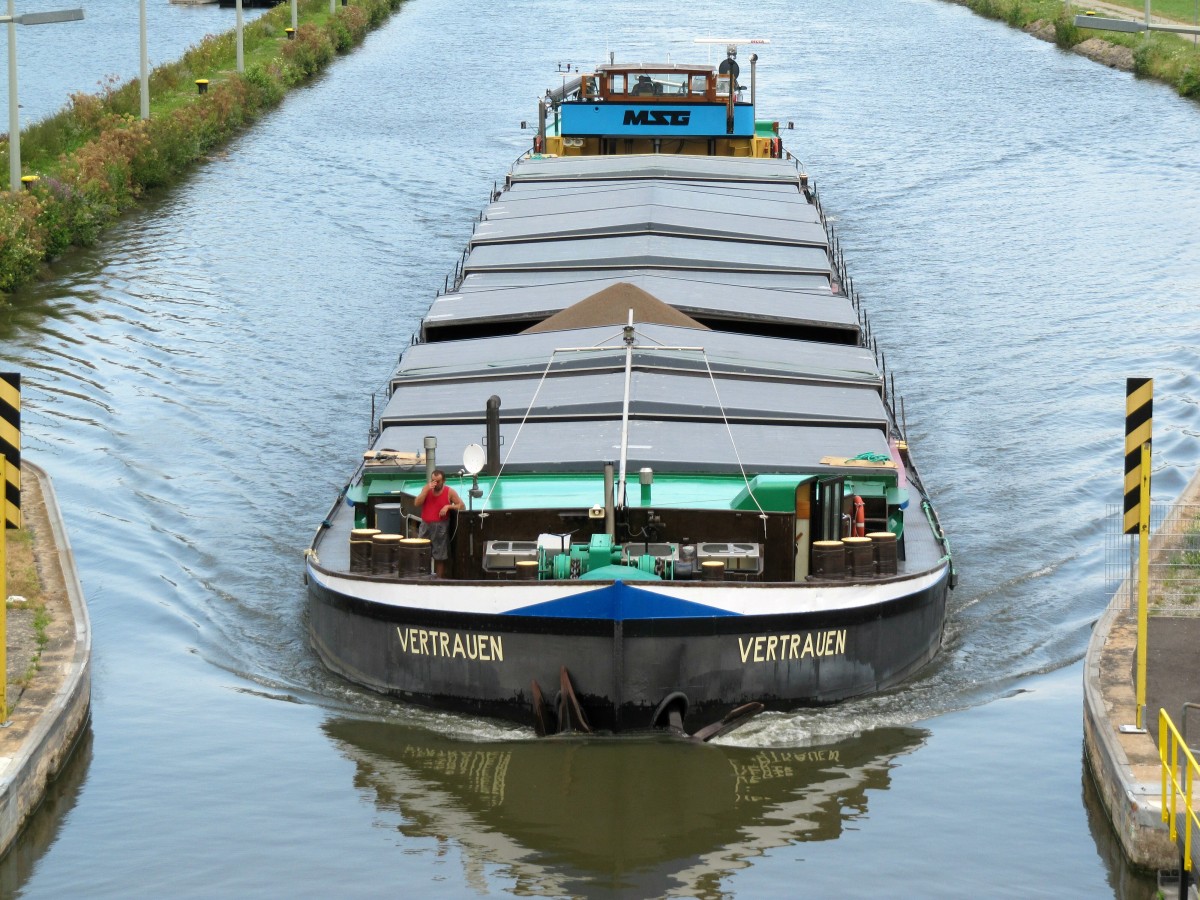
<point>1174,557</point>
<point>1179,778</point>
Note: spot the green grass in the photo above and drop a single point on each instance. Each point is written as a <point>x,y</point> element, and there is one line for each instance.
<point>1179,10</point>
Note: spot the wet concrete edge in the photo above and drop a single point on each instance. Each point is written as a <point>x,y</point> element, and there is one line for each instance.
<point>53,728</point>
<point>1125,767</point>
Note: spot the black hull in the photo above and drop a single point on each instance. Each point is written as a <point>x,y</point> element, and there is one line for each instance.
<point>622,670</point>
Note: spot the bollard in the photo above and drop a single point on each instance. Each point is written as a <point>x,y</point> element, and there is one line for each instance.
<point>860,557</point>
<point>884,545</point>
<point>28,181</point>
<point>712,570</point>
<point>385,550</point>
<point>202,85</point>
<point>415,557</point>
<point>829,560</point>
<point>360,549</point>
<point>291,33</point>
<point>527,570</point>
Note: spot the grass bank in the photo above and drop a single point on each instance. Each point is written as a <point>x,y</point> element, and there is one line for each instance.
<point>27,615</point>
<point>95,158</point>
<point>1169,58</point>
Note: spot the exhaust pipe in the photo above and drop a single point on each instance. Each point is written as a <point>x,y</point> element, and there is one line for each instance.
<point>493,436</point>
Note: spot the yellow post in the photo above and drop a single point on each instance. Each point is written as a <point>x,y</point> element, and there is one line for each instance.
<point>1143,583</point>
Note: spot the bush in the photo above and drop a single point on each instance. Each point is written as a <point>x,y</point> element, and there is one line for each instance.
<point>308,53</point>
<point>1189,81</point>
<point>21,245</point>
<point>1066,33</point>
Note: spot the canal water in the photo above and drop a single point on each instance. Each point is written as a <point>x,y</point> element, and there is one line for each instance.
<point>1021,225</point>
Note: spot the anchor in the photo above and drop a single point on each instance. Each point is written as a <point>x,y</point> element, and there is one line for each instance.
<point>673,710</point>
<point>568,713</point>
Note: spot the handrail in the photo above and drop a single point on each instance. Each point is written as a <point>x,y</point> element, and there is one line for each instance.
<point>1176,782</point>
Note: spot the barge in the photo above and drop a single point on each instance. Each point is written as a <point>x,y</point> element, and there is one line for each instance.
<point>680,491</point>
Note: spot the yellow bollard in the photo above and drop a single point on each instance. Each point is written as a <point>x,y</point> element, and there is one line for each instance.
<point>202,85</point>
<point>28,181</point>
<point>291,33</point>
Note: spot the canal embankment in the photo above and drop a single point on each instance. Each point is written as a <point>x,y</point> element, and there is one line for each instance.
<point>49,661</point>
<point>85,166</point>
<point>1169,58</point>
<point>1123,760</point>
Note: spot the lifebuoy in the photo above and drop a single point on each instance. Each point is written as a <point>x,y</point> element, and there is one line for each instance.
<point>537,143</point>
<point>776,146</point>
<point>860,517</point>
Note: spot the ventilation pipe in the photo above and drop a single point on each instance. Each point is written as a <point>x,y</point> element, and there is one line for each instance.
<point>430,457</point>
<point>753,65</point>
<point>610,513</point>
<point>493,436</point>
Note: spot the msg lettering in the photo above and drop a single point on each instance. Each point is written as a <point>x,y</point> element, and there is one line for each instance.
<point>656,117</point>
<point>782,647</point>
<point>429,642</point>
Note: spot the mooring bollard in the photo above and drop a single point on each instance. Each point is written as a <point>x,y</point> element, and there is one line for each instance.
<point>202,85</point>
<point>28,181</point>
<point>291,33</point>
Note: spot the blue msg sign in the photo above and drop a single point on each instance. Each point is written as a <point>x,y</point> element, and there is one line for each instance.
<point>653,120</point>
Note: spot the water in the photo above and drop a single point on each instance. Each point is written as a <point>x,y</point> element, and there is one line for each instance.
<point>199,383</point>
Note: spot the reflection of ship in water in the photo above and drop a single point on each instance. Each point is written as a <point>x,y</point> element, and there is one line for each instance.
<point>650,817</point>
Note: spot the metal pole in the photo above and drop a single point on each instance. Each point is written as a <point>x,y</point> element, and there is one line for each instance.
<point>332,7</point>
<point>145,66</point>
<point>1143,584</point>
<point>295,20</point>
<point>241,64</point>
<point>1147,13</point>
<point>14,116</point>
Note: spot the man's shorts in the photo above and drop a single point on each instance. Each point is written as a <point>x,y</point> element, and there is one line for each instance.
<point>439,538</point>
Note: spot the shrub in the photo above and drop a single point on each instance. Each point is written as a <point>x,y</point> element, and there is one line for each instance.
<point>265,84</point>
<point>308,53</point>
<point>21,244</point>
<point>1189,81</point>
<point>1066,33</point>
<point>1143,57</point>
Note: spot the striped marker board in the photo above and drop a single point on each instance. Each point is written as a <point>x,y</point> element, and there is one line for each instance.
<point>10,448</point>
<point>1139,409</point>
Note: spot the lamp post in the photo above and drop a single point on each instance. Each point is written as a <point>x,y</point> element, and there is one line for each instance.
<point>14,116</point>
<point>145,76</point>
<point>241,64</point>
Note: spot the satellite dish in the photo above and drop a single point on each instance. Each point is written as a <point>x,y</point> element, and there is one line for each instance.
<point>474,459</point>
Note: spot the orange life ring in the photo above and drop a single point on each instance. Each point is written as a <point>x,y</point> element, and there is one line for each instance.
<point>537,143</point>
<point>775,148</point>
<point>860,517</point>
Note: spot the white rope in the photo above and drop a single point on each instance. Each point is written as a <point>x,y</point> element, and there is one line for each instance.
<point>517,436</point>
<point>736,455</point>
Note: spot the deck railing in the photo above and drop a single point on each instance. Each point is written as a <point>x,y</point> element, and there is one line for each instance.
<point>1179,777</point>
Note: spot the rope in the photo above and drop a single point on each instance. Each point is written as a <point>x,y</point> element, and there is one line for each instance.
<point>871,457</point>
<point>713,381</point>
<point>517,436</point>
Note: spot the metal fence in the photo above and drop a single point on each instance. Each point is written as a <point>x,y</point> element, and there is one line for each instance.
<point>1174,558</point>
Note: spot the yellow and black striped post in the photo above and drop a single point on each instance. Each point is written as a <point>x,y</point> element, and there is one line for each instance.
<point>1139,409</point>
<point>10,506</point>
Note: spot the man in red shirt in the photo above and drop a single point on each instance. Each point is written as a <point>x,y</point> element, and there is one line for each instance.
<point>435,502</point>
